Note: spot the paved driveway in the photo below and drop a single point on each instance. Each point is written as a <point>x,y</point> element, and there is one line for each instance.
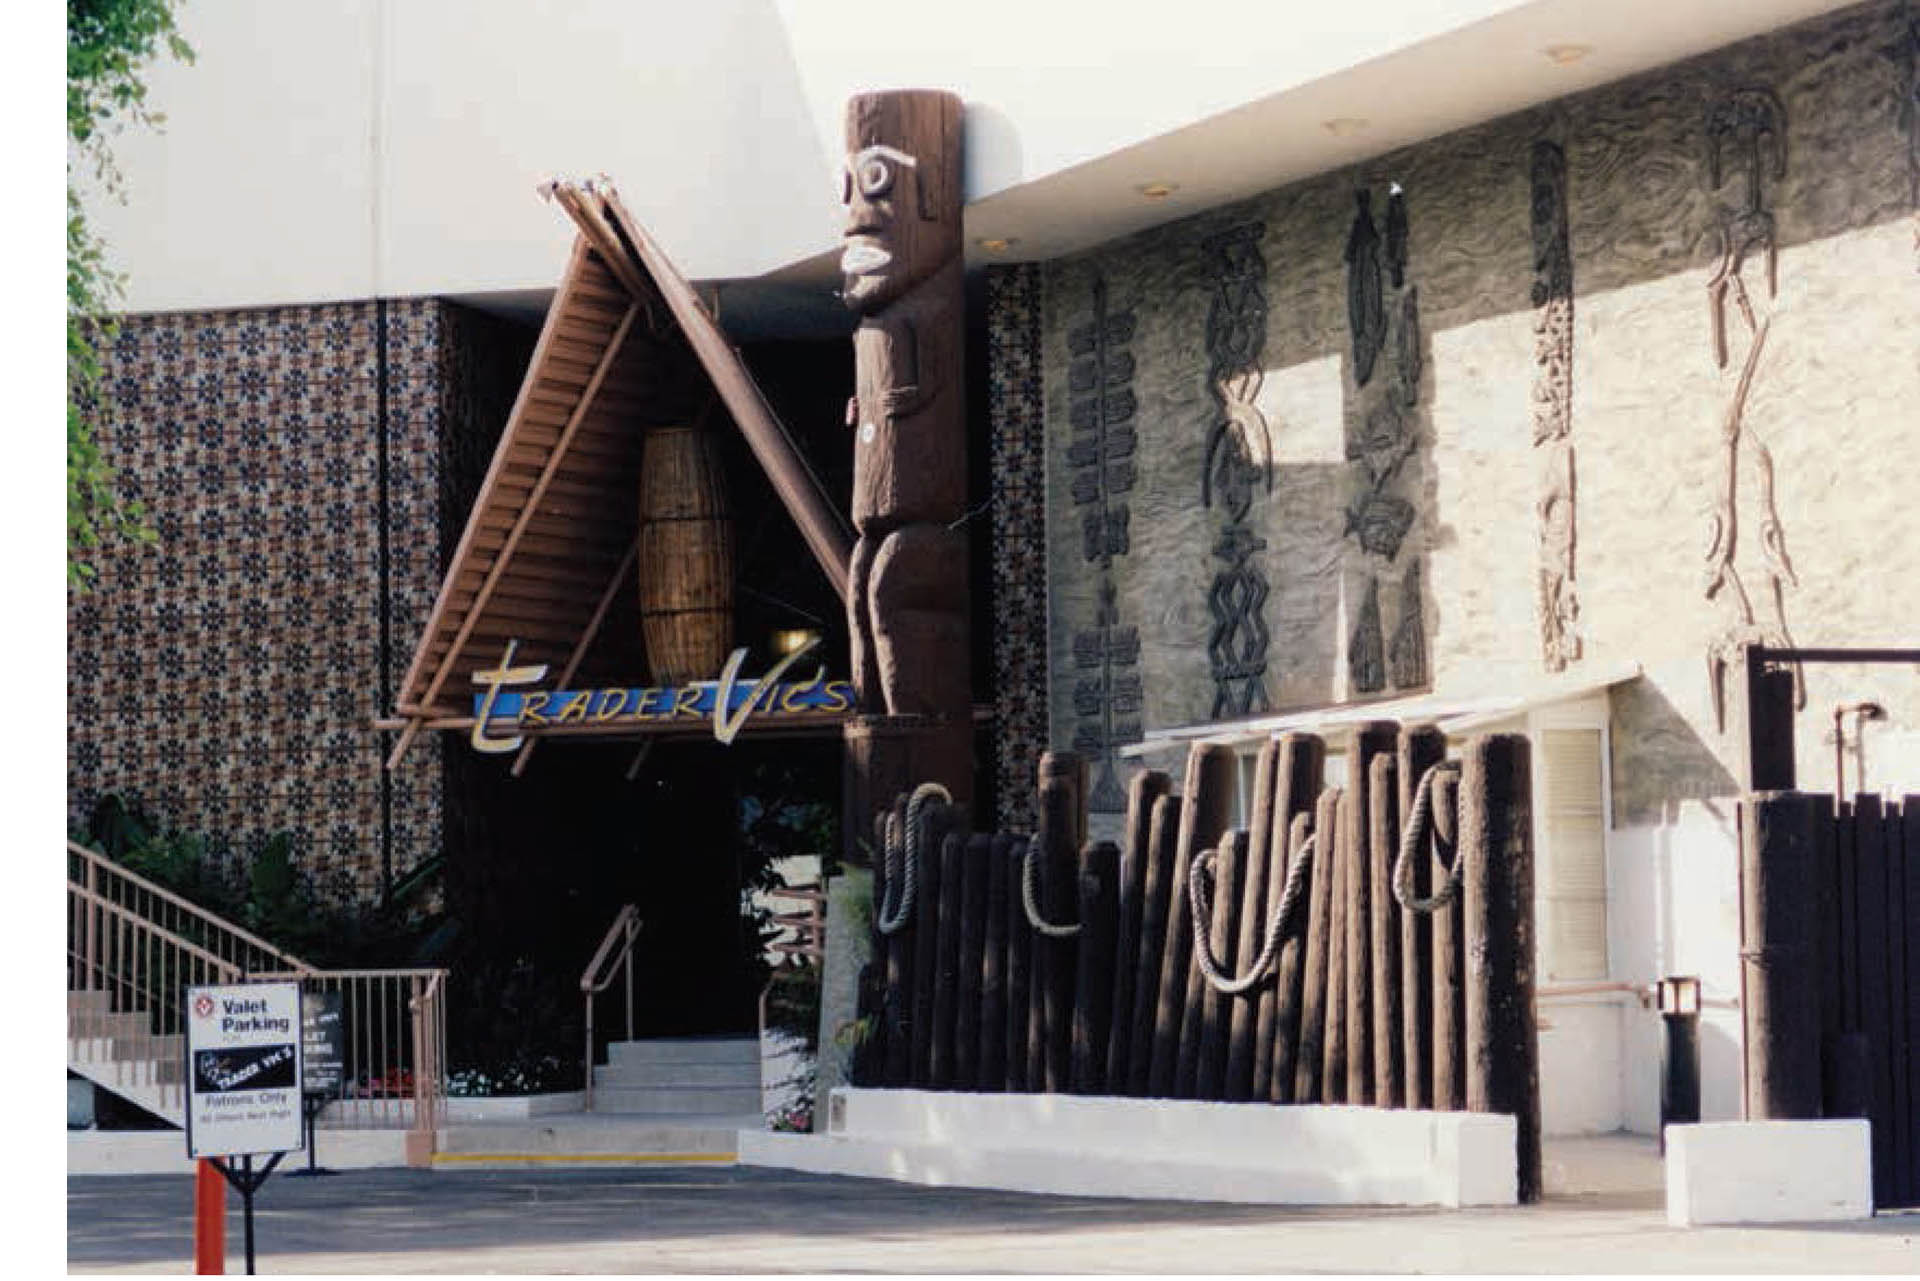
<point>725,1219</point>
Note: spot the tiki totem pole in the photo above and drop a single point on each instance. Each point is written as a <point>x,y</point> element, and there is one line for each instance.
<point>907,603</point>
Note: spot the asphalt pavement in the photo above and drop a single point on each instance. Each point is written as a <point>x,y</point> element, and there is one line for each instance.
<point>730,1219</point>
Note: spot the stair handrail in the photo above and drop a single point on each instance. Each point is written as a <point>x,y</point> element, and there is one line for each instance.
<point>131,939</point>
<point>614,954</point>
<point>94,863</point>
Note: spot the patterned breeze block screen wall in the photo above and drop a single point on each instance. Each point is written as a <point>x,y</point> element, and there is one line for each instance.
<point>301,466</point>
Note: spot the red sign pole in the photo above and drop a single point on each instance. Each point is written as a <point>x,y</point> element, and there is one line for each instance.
<point>209,1219</point>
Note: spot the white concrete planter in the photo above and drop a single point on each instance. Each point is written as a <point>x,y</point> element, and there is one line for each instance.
<point>1769,1172</point>
<point>1159,1148</point>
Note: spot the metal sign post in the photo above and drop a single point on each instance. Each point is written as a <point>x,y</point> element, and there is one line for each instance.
<point>243,1082</point>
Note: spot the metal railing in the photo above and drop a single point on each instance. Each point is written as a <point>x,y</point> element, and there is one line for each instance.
<point>615,954</point>
<point>134,947</point>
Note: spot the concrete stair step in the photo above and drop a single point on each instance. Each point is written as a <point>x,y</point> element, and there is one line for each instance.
<point>690,1050</point>
<point>683,1100</point>
<point>631,1075</point>
<point>588,1142</point>
<point>95,1000</point>
<point>105,1025</point>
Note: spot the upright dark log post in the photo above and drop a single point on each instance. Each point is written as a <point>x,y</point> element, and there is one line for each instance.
<point>993,969</point>
<point>1296,782</point>
<point>1421,747</point>
<point>1333,1055</point>
<point>1146,788</point>
<point>1210,1046</point>
<point>1496,842</point>
<point>1370,740</point>
<point>1163,840</point>
<point>977,854</point>
<point>939,820</point>
<point>1203,819</point>
<point>1062,831</point>
<point>1878,922</point>
<point>1314,982</point>
<point>1778,915</point>
<point>1383,844</point>
<point>1243,1011</point>
<point>1019,1001</point>
<point>1285,1034</point>
<point>900,954</point>
<point>907,605</point>
<point>1099,906</point>
<point>1449,968</point>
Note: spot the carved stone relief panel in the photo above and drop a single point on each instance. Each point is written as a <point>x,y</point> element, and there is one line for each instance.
<point>1383,309</point>
<point>1559,603</point>
<point>1237,464</point>
<point>1746,140</point>
<point>1101,409</point>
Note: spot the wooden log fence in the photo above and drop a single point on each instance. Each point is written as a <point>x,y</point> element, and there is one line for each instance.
<point>1830,970</point>
<point>1368,944</point>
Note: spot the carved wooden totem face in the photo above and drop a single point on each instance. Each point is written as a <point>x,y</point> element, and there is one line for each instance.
<point>901,188</point>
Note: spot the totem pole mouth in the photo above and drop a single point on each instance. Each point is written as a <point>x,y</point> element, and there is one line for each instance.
<point>864,258</point>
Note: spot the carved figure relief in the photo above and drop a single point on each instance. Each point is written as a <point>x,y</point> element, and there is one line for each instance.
<point>1746,132</point>
<point>1384,312</point>
<point>1559,603</point>
<point>1408,653</point>
<point>1366,310</point>
<point>1236,465</point>
<point>1100,411</point>
<point>1107,696</point>
<point>902,269</point>
<point>1366,651</point>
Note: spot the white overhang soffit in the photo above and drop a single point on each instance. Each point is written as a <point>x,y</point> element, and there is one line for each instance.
<point>1452,713</point>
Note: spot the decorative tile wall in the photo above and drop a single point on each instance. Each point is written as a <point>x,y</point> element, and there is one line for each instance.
<point>224,678</point>
<point>1017,416</point>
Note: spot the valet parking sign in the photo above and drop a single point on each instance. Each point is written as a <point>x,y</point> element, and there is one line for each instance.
<point>243,1069</point>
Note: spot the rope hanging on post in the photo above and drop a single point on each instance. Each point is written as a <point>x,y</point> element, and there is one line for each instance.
<point>1199,897</point>
<point>1411,841</point>
<point>1029,886</point>
<point>903,859</point>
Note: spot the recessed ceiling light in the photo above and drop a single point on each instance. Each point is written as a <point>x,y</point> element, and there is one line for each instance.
<point>1343,126</point>
<point>1157,190</point>
<point>997,244</point>
<point>1566,55</point>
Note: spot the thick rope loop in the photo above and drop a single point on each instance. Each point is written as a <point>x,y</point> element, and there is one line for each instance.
<point>1029,891</point>
<point>1413,841</point>
<point>903,859</point>
<point>1200,897</point>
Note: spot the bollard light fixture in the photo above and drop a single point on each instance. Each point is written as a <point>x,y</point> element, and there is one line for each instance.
<point>1680,994</point>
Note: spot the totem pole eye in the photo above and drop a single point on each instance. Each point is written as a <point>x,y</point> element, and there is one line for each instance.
<point>846,185</point>
<point>876,177</point>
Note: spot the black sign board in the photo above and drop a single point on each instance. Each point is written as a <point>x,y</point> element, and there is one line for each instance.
<point>323,1035</point>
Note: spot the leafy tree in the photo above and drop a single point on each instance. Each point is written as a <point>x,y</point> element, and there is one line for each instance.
<point>109,45</point>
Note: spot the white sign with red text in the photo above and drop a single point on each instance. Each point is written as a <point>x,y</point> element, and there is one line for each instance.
<point>243,1069</point>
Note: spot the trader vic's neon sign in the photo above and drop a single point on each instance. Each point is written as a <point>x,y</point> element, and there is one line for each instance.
<point>729,702</point>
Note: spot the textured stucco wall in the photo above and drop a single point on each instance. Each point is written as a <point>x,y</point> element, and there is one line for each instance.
<point>1833,396</point>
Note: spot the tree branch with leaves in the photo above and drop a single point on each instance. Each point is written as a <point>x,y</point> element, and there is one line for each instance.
<point>110,43</point>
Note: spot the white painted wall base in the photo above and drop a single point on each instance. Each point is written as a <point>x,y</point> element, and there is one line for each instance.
<point>1768,1172</point>
<point>1159,1148</point>
<point>165,1151</point>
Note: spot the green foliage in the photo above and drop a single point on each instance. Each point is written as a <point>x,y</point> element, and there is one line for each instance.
<point>109,44</point>
<point>274,899</point>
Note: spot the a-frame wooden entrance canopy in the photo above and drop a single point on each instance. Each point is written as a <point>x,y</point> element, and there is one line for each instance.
<point>552,537</point>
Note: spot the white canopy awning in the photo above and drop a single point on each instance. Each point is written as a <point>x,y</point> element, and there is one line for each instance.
<point>1453,713</point>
